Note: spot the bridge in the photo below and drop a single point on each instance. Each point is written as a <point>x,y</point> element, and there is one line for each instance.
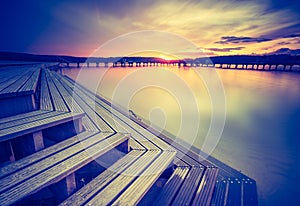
<point>120,62</point>
<point>266,63</point>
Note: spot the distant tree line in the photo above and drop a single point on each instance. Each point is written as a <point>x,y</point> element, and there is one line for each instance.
<point>237,59</point>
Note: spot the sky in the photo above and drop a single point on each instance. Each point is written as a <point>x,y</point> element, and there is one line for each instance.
<point>79,28</point>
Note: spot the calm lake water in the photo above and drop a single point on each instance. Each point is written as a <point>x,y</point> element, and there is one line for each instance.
<point>261,136</point>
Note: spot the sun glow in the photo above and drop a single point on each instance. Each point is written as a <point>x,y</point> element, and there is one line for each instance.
<point>157,54</point>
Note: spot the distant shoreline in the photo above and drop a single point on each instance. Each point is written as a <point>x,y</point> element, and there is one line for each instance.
<point>238,62</point>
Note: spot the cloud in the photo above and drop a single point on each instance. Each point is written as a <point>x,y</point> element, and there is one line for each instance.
<point>225,49</point>
<point>194,54</point>
<point>285,27</point>
<point>292,36</point>
<point>65,26</point>
<point>241,39</point>
<point>283,43</point>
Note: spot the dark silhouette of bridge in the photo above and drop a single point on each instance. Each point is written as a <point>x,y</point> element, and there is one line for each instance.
<point>271,62</point>
<point>264,62</point>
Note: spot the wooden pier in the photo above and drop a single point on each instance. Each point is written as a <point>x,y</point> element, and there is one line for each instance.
<point>62,145</point>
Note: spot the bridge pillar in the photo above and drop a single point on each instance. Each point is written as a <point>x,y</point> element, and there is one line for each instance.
<point>88,64</point>
<point>78,64</point>
<point>68,64</point>
<point>97,64</point>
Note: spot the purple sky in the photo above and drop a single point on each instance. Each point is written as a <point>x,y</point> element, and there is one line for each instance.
<point>216,27</point>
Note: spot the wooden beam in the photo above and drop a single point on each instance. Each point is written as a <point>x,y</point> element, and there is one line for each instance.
<point>38,140</point>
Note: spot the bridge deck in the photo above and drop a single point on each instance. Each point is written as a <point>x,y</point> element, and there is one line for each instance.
<point>134,166</point>
<point>17,87</point>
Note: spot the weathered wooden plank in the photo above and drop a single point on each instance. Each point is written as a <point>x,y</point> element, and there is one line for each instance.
<point>38,141</point>
<point>34,169</point>
<point>220,193</point>
<point>45,98</point>
<point>171,187</point>
<point>6,74</point>
<point>146,140</point>
<point>12,79</point>
<point>180,163</point>
<point>87,105</point>
<point>109,118</point>
<point>89,190</point>
<point>105,115</point>
<point>135,145</point>
<point>14,87</point>
<point>26,120</point>
<point>34,158</point>
<point>88,124</point>
<point>204,192</point>
<point>70,184</point>
<point>31,83</point>
<point>107,194</point>
<point>234,192</point>
<point>188,188</point>
<point>22,116</point>
<point>13,192</point>
<point>72,105</point>
<point>57,99</point>
<point>30,127</point>
<point>136,191</point>
<point>187,159</point>
<point>20,81</point>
